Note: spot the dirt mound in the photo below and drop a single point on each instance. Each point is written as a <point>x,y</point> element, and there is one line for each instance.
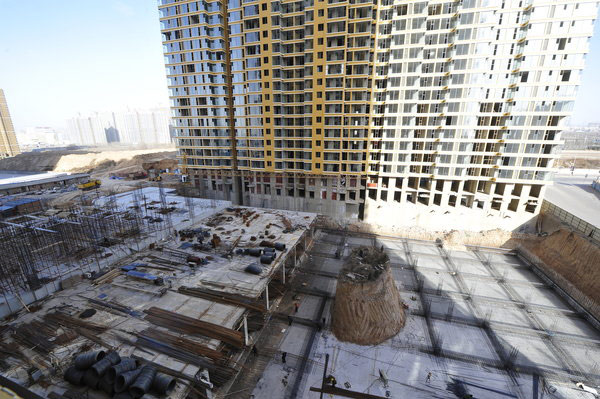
<point>109,160</point>
<point>44,161</point>
<point>85,160</point>
<point>574,257</point>
<point>367,309</point>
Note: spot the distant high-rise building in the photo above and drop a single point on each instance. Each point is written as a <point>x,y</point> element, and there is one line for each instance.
<point>125,127</point>
<point>38,136</point>
<point>363,108</point>
<point>8,140</point>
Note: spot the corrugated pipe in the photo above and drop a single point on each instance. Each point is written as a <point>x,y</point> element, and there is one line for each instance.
<point>254,251</point>
<point>163,383</point>
<point>267,259</point>
<point>143,383</point>
<point>91,379</point>
<point>126,364</point>
<point>106,385</point>
<point>103,365</point>
<point>85,360</point>
<point>74,375</point>
<point>123,381</point>
<point>280,246</point>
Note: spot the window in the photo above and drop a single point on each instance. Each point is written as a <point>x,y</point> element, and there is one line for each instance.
<point>320,27</point>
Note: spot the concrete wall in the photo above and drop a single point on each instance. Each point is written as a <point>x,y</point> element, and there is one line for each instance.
<point>392,215</point>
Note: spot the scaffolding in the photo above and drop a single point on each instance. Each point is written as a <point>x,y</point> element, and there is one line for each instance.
<point>40,250</point>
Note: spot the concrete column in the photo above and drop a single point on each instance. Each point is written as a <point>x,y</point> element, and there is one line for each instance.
<point>446,194</point>
<point>404,188</point>
<point>506,197</point>
<point>237,197</point>
<point>523,198</point>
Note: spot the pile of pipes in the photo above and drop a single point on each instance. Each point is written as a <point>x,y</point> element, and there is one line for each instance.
<point>121,378</point>
<point>266,254</point>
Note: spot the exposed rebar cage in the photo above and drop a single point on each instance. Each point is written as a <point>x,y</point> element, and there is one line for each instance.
<point>37,250</point>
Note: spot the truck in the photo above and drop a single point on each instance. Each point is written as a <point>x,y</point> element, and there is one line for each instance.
<point>89,185</point>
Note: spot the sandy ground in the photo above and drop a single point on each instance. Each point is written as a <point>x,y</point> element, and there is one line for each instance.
<point>72,162</point>
<point>83,160</point>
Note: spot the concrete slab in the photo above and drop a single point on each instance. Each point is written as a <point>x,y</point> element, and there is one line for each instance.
<point>430,261</point>
<point>464,339</point>
<point>489,289</point>
<point>533,352</point>
<point>571,326</point>
<point>506,314</point>
<point>468,265</point>
<point>402,359</point>
<point>426,249</point>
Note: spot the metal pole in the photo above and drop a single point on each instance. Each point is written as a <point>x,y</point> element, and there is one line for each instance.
<point>283,272</point>
<point>267,295</point>
<point>324,374</point>
<point>245,330</point>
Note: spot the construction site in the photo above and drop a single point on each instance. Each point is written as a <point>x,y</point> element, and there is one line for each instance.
<point>139,289</point>
<point>238,302</point>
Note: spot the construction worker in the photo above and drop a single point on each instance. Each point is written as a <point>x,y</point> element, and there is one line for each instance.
<point>296,306</point>
<point>428,378</point>
<point>330,380</point>
<point>283,356</point>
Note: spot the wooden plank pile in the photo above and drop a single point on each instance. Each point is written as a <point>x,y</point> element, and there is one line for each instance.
<point>184,344</point>
<point>189,325</point>
<point>224,297</point>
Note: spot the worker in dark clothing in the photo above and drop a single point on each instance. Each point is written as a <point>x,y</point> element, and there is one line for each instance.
<point>254,350</point>
<point>289,320</point>
<point>283,356</point>
<point>428,378</point>
<point>330,380</point>
<point>296,306</point>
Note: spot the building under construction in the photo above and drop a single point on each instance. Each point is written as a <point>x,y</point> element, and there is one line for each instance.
<point>233,302</point>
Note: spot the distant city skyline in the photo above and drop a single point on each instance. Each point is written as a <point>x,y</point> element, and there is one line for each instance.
<point>102,56</point>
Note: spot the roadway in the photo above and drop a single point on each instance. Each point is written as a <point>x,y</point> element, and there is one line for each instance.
<point>574,193</point>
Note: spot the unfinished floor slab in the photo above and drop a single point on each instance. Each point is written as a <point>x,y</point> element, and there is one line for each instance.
<point>465,330</point>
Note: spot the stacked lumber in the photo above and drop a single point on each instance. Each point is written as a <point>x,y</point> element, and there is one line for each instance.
<point>224,297</point>
<point>189,325</point>
<point>184,344</point>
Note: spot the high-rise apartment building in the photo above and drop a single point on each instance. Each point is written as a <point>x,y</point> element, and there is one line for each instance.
<point>8,140</point>
<point>133,127</point>
<point>357,107</point>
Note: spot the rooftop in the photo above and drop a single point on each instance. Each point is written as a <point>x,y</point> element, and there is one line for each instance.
<point>17,180</point>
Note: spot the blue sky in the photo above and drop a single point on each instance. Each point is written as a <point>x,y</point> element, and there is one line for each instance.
<point>62,57</point>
